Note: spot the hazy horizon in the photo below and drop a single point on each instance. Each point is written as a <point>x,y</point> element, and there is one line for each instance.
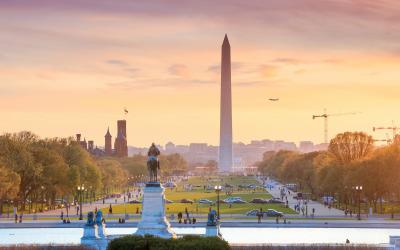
<point>70,67</point>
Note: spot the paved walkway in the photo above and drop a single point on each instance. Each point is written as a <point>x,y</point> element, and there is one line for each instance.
<point>89,206</point>
<point>320,209</point>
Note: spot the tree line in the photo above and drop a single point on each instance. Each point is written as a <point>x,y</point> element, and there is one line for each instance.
<point>351,160</point>
<point>35,170</point>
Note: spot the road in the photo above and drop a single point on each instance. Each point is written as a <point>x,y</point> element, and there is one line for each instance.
<point>320,209</point>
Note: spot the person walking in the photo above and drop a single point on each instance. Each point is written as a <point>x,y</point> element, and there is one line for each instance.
<point>16,218</point>
<point>110,209</point>
<point>259,215</point>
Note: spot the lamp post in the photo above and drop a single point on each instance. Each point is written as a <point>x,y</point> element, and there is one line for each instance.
<point>42,196</point>
<point>81,189</point>
<point>217,190</point>
<point>359,189</point>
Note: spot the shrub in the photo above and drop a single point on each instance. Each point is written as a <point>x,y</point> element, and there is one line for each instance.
<point>135,242</point>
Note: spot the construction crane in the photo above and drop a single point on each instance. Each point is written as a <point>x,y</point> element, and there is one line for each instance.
<point>388,141</point>
<point>325,116</point>
<point>393,128</point>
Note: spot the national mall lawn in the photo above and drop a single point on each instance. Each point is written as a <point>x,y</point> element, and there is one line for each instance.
<point>198,191</point>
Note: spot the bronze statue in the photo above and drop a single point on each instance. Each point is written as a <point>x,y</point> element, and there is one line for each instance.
<point>153,165</point>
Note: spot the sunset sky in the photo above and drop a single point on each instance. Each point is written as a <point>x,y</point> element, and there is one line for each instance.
<point>69,66</point>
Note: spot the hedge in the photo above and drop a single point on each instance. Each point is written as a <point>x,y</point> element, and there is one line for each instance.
<point>148,242</point>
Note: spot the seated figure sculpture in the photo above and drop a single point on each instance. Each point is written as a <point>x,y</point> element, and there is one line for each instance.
<point>212,218</point>
<point>90,219</point>
<point>99,218</point>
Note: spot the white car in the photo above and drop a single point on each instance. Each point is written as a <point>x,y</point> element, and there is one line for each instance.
<point>234,200</point>
<point>205,201</point>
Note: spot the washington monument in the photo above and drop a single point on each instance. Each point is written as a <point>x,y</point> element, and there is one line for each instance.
<point>225,141</point>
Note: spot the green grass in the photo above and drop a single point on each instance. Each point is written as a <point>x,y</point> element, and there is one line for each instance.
<point>179,193</point>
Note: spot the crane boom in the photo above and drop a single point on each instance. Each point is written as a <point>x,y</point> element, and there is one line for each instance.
<point>325,115</point>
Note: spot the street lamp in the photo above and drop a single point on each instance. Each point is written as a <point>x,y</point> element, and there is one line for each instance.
<point>217,190</point>
<point>81,189</point>
<point>42,201</point>
<point>358,190</point>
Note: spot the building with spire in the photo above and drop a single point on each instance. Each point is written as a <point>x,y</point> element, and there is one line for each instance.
<point>225,144</point>
<point>108,143</point>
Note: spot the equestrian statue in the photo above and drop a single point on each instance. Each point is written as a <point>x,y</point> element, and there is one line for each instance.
<point>153,165</point>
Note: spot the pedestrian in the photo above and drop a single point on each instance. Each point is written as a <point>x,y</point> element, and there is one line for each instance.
<point>259,215</point>
<point>20,217</point>
<point>347,241</point>
<point>277,219</point>
<point>62,215</point>
<point>77,210</point>
<point>110,209</point>
<point>16,218</point>
<point>351,213</point>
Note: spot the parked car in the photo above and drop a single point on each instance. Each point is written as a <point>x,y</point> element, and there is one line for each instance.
<point>252,186</point>
<point>205,201</point>
<point>186,201</point>
<point>135,202</point>
<point>269,213</point>
<point>239,201</point>
<point>275,201</point>
<point>259,201</point>
<point>273,213</point>
<point>168,201</point>
<point>252,212</point>
<point>170,184</point>
<point>232,199</point>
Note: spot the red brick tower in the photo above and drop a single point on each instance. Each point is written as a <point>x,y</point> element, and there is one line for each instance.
<point>121,144</point>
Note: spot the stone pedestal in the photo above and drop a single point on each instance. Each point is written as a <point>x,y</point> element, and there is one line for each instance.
<point>213,231</point>
<point>153,220</point>
<point>95,236</point>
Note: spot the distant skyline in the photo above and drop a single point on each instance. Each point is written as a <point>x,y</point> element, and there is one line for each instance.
<point>70,67</point>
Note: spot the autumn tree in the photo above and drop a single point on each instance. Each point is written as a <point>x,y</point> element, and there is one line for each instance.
<point>350,146</point>
<point>9,185</point>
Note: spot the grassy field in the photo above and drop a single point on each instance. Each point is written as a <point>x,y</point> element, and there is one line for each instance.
<point>200,192</point>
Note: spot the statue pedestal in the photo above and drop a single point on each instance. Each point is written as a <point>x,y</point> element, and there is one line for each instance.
<point>95,236</point>
<point>153,220</point>
<point>213,231</point>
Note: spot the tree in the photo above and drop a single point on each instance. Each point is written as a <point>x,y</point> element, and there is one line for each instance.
<point>112,174</point>
<point>211,166</point>
<point>350,146</point>
<point>9,185</point>
<point>173,164</point>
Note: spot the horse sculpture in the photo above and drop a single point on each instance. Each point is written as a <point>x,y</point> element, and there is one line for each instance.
<point>153,166</point>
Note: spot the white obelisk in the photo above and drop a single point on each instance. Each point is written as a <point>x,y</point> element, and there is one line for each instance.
<point>225,144</point>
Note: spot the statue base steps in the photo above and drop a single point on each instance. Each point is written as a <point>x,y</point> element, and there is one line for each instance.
<point>153,220</point>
